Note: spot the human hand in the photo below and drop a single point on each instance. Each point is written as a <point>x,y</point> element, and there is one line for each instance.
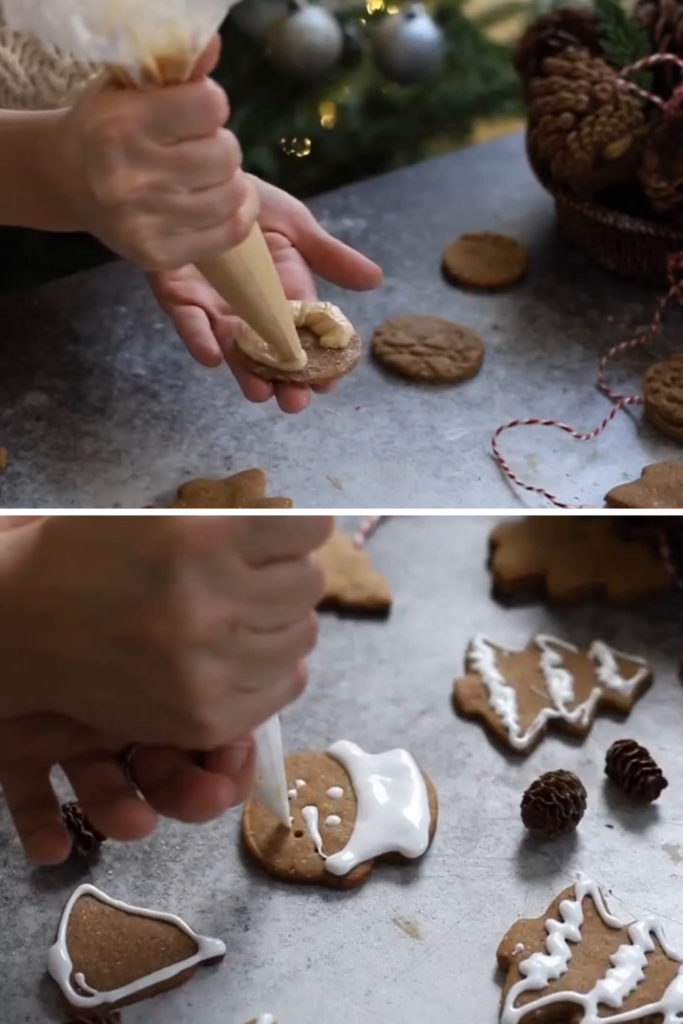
<point>176,631</point>
<point>167,781</point>
<point>300,249</point>
<point>153,173</point>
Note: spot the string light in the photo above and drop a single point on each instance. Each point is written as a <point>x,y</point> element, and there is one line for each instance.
<point>374,6</point>
<point>328,113</point>
<point>294,146</point>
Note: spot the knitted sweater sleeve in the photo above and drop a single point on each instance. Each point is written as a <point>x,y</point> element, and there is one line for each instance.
<point>36,77</point>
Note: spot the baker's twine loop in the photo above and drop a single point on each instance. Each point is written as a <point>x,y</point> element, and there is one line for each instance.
<point>643,340</point>
<point>366,529</point>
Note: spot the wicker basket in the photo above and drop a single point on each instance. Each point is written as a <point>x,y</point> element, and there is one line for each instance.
<point>631,246</point>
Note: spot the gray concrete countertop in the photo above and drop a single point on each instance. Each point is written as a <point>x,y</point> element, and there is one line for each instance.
<point>311,956</point>
<point>101,406</point>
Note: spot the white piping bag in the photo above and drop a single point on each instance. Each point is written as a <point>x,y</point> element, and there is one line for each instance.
<point>150,42</point>
<point>271,780</point>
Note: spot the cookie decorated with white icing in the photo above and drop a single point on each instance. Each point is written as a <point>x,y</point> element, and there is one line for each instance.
<point>551,683</point>
<point>109,954</point>
<point>578,964</point>
<point>349,809</point>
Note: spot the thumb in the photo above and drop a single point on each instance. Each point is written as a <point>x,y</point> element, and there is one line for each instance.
<point>208,60</point>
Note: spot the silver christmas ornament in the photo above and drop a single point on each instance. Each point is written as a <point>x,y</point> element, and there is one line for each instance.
<point>307,42</point>
<point>255,17</point>
<point>409,46</point>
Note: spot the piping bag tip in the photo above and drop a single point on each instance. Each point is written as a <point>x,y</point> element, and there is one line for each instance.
<point>271,779</point>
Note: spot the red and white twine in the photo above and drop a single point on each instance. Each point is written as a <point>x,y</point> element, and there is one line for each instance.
<point>366,529</point>
<point>642,340</point>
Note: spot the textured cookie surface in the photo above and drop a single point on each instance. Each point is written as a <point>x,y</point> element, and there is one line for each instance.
<point>324,803</point>
<point>519,695</point>
<point>660,486</point>
<point>568,560</point>
<point>324,364</point>
<point>563,967</point>
<point>663,386</point>
<point>351,581</point>
<point>109,954</point>
<point>243,490</point>
<point>428,348</point>
<point>485,260</point>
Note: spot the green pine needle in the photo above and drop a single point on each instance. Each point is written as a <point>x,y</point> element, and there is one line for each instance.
<point>624,38</point>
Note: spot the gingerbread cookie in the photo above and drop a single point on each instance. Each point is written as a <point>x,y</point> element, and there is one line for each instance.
<point>331,345</point>
<point>663,385</point>
<point>352,584</point>
<point>109,954</point>
<point>486,261</point>
<point>427,348</point>
<point>243,490</point>
<point>349,809</point>
<point>660,486</point>
<point>518,694</point>
<point>578,964</point>
<point>568,560</point>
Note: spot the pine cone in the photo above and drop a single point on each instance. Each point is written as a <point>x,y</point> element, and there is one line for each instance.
<point>552,33</point>
<point>634,770</point>
<point>661,172</point>
<point>554,805</point>
<point>84,836</point>
<point>585,130</point>
<point>663,20</point>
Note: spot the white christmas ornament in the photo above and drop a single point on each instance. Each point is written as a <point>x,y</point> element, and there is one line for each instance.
<point>409,46</point>
<point>306,43</point>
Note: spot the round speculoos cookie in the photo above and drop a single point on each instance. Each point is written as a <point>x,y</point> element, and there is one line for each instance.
<point>486,261</point>
<point>324,364</point>
<point>428,349</point>
<point>663,385</point>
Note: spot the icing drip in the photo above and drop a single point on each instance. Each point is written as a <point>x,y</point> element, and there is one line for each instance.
<point>335,793</point>
<point>393,814</point>
<point>60,966</point>
<point>482,659</point>
<point>332,820</point>
<point>620,980</point>
<point>311,817</point>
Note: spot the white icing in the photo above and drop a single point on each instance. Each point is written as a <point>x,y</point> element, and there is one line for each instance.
<point>620,980</point>
<point>292,794</point>
<point>265,1018</point>
<point>393,814</point>
<point>332,820</point>
<point>335,792</point>
<point>482,659</point>
<point>520,947</point>
<point>299,783</point>
<point>60,965</point>
<point>311,817</point>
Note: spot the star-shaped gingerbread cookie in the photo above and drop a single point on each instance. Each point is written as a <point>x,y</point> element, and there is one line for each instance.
<point>571,559</point>
<point>578,964</point>
<point>519,694</point>
<point>243,490</point>
<point>352,584</point>
<point>660,486</point>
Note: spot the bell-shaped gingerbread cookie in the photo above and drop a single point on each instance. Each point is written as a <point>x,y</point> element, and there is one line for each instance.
<point>109,954</point>
<point>349,809</point>
<point>352,584</point>
<point>578,964</point>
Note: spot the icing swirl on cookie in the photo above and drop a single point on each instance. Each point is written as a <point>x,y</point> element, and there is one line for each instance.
<point>482,658</point>
<point>619,982</point>
<point>75,987</point>
<point>325,320</point>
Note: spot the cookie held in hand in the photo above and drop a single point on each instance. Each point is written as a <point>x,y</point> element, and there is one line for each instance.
<point>243,490</point>
<point>329,340</point>
<point>519,694</point>
<point>578,963</point>
<point>568,560</point>
<point>349,809</point>
<point>663,386</point>
<point>352,584</point>
<point>660,486</point>
<point>109,954</point>
<point>485,261</point>
<point>428,349</point>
